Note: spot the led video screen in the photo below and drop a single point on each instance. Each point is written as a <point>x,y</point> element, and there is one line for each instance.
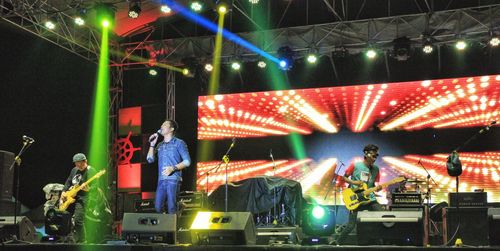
<point>322,130</point>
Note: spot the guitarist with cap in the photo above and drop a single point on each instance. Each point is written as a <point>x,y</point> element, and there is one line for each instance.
<point>78,175</point>
<point>357,174</point>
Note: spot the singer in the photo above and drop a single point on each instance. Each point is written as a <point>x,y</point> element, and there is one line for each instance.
<point>173,156</point>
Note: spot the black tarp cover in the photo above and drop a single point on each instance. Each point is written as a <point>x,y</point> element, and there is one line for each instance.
<point>255,195</point>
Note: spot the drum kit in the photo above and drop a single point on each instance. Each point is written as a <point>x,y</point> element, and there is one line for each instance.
<point>410,193</point>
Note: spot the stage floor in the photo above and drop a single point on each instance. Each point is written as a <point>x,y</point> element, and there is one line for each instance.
<point>156,247</point>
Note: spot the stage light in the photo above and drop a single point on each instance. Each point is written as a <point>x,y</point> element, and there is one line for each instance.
<point>185,72</point>
<point>494,41</point>
<point>427,49</point>
<point>105,14</point>
<point>460,45</point>
<point>196,6</point>
<point>80,16</point>
<point>312,58</point>
<point>427,46</point>
<point>209,67</point>
<point>261,64</point>
<point>79,21</point>
<point>236,66</point>
<point>401,48</point>
<point>153,72</point>
<point>318,212</point>
<point>254,1</point>
<point>285,55</point>
<point>105,23</point>
<point>134,9</point>
<point>50,25</point>
<point>165,9</point>
<point>371,53</point>
<point>223,6</point>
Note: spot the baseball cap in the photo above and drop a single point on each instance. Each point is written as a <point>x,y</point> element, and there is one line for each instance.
<point>79,157</point>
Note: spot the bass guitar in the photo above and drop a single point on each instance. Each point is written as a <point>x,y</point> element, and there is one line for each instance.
<point>71,193</point>
<point>354,197</point>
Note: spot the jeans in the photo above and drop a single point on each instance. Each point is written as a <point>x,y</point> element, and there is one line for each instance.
<point>166,192</point>
<point>373,206</point>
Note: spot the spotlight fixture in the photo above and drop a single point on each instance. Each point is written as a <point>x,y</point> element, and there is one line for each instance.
<point>223,6</point>
<point>401,48</point>
<point>105,23</point>
<point>165,9</point>
<point>427,46</point>
<point>80,16</point>
<point>185,72</point>
<point>236,66</point>
<point>105,14</point>
<point>261,64</point>
<point>134,9</point>
<point>371,53</point>
<point>427,49</point>
<point>340,52</point>
<point>208,67</point>
<point>494,41</point>
<point>312,58</point>
<point>79,21</point>
<point>285,54</point>
<point>461,44</point>
<point>254,1</point>
<point>196,6</point>
<point>152,72</point>
<point>49,24</point>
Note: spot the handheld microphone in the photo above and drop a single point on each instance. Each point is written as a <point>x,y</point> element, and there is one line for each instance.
<point>488,126</point>
<point>28,139</point>
<point>156,134</point>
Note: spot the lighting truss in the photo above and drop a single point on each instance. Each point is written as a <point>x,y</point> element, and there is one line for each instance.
<point>326,38</point>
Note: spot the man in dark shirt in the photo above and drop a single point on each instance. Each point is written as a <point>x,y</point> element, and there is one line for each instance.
<point>78,175</point>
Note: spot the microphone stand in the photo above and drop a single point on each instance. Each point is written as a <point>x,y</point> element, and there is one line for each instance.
<point>458,240</point>
<point>428,196</point>
<point>334,182</point>
<point>216,168</point>
<point>17,160</point>
<point>275,221</point>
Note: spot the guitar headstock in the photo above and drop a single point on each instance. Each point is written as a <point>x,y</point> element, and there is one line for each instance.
<point>100,173</point>
<point>398,179</point>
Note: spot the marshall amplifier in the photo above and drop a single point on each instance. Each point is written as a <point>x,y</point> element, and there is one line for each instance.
<point>144,206</point>
<point>193,199</point>
<point>469,199</point>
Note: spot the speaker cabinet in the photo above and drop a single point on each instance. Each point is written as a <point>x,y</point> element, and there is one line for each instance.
<point>23,229</point>
<point>223,228</point>
<point>390,227</point>
<point>6,175</point>
<point>473,225</point>
<point>149,228</point>
<point>494,226</point>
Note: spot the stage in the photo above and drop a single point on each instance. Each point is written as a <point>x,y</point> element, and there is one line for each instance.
<point>157,247</point>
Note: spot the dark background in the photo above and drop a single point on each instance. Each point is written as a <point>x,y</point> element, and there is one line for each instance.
<point>46,93</point>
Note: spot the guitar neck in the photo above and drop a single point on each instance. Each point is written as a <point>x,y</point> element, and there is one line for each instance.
<point>90,180</point>
<point>384,185</point>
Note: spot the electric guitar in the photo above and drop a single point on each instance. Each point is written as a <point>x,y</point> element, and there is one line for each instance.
<point>354,197</point>
<point>71,193</point>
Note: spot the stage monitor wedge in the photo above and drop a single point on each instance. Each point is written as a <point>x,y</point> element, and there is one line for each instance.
<point>223,228</point>
<point>390,228</point>
<point>149,228</point>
